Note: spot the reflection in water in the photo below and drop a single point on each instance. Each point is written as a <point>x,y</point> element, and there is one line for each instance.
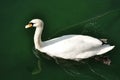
<point>72,68</point>
<point>77,69</point>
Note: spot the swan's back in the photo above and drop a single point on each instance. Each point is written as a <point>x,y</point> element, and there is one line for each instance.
<point>70,38</point>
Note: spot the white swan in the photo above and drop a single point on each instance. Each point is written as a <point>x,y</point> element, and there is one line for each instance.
<point>74,47</point>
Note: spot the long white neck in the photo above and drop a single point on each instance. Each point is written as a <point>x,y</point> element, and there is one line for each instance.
<point>37,37</point>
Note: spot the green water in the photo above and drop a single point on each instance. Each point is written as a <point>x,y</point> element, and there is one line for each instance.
<point>98,18</point>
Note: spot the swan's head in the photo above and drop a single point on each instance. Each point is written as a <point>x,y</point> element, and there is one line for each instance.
<point>35,23</point>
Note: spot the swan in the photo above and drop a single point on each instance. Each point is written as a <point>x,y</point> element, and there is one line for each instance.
<point>72,47</point>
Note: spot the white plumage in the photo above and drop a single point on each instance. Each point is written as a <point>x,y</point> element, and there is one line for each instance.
<point>74,47</point>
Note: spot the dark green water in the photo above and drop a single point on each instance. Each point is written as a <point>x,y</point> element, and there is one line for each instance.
<point>98,18</point>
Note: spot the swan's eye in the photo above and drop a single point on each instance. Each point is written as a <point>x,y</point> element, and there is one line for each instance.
<point>31,23</point>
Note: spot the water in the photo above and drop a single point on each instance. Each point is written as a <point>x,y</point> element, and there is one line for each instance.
<point>96,18</point>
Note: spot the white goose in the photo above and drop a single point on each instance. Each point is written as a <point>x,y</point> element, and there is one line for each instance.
<point>73,47</point>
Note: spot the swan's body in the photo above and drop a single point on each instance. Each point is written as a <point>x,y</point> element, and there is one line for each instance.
<point>74,47</point>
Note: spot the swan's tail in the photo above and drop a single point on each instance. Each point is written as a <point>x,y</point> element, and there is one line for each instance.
<point>105,48</point>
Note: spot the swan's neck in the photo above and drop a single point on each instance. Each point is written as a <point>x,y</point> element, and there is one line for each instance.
<point>37,37</point>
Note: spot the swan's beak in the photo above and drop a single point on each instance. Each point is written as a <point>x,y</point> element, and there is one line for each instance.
<point>29,25</point>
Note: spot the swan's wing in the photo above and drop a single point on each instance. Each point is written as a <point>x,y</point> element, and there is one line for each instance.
<point>79,38</point>
<point>69,45</point>
<point>57,40</point>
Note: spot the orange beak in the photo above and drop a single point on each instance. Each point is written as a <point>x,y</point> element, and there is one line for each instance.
<point>29,25</point>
